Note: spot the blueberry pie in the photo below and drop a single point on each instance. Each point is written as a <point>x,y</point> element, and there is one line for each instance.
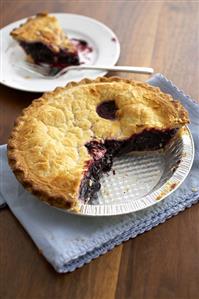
<point>65,140</point>
<point>45,42</point>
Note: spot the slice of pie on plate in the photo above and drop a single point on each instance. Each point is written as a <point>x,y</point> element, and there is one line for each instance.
<point>64,141</point>
<point>45,42</point>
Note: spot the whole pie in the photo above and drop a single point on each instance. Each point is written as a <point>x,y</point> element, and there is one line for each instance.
<point>64,141</point>
<point>45,42</point>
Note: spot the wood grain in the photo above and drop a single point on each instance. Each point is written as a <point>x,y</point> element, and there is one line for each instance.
<point>162,263</point>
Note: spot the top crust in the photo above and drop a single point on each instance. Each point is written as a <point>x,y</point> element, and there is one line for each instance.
<point>46,149</point>
<point>46,29</point>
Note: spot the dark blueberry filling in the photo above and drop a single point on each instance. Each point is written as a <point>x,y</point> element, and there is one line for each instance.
<point>43,54</point>
<point>107,109</point>
<point>147,140</point>
<point>103,153</point>
<point>102,162</point>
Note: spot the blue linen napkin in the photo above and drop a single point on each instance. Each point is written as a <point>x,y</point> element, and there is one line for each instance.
<point>70,241</point>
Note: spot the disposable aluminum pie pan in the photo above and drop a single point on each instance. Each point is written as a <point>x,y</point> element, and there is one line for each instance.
<point>141,179</point>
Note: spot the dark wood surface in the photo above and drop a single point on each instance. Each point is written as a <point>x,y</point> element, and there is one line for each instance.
<point>162,263</point>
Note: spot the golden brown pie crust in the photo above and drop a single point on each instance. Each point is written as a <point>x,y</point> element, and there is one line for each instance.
<point>46,149</point>
<point>46,29</point>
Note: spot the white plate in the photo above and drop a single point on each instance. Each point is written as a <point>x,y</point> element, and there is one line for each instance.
<point>105,45</point>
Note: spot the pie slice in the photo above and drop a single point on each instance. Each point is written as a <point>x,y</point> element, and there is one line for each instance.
<point>65,140</point>
<point>45,42</point>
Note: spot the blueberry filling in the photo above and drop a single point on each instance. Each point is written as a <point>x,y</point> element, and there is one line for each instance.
<point>147,140</point>
<point>102,162</point>
<point>103,153</point>
<point>40,53</point>
<point>107,110</point>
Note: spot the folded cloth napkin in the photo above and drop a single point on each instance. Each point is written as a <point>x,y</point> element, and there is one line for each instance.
<point>70,241</point>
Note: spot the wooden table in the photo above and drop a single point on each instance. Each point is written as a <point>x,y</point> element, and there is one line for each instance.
<point>162,263</point>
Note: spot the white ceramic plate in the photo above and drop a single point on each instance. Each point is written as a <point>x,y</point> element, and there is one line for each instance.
<point>105,51</point>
